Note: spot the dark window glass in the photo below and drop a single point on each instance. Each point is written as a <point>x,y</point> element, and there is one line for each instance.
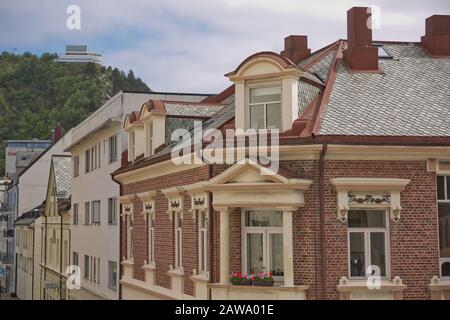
<point>440,187</point>
<point>444,229</point>
<point>357,263</point>
<point>378,251</point>
<point>366,219</point>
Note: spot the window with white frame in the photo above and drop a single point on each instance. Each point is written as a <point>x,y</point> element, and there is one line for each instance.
<point>93,158</point>
<point>443,197</point>
<point>265,108</point>
<point>96,212</point>
<point>263,242</point>
<point>178,240</point>
<point>75,258</point>
<point>87,213</point>
<point>98,270</point>
<point>151,238</point>
<point>112,275</point>
<point>86,267</point>
<point>132,145</point>
<point>368,243</point>
<point>112,210</point>
<point>87,161</point>
<point>75,213</point>
<point>76,166</point>
<point>202,241</point>
<point>129,222</point>
<point>150,138</point>
<point>113,148</point>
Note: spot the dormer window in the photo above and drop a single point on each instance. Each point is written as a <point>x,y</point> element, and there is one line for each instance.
<point>132,144</point>
<point>265,108</point>
<point>266,92</point>
<point>150,138</point>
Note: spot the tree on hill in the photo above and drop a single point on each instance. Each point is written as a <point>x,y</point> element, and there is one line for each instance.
<point>36,93</point>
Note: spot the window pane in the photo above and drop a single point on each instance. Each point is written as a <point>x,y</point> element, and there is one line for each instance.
<point>444,229</point>
<point>276,254</point>
<point>273,116</point>
<point>445,269</point>
<point>440,187</point>
<point>255,252</point>
<point>262,218</point>
<point>366,219</point>
<point>448,187</point>
<point>357,263</point>
<point>270,94</point>
<point>257,117</point>
<point>378,252</point>
<point>202,250</point>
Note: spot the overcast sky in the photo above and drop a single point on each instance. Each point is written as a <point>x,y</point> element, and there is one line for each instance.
<point>188,45</point>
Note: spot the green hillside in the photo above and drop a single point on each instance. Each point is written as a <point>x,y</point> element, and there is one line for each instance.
<point>36,93</point>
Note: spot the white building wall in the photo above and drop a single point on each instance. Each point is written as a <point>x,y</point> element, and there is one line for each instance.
<point>33,182</point>
<point>102,241</point>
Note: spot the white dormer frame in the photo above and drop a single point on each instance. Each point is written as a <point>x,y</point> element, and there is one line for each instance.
<point>369,193</point>
<point>175,201</point>
<point>134,134</point>
<point>199,199</point>
<point>266,71</point>
<point>157,122</point>
<point>148,199</point>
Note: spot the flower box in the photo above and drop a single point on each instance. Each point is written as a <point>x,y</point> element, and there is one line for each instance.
<point>241,282</point>
<point>263,283</point>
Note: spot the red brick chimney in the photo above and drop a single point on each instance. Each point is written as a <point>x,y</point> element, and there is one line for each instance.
<point>57,133</point>
<point>436,40</point>
<point>360,55</point>
<point>296,48</point>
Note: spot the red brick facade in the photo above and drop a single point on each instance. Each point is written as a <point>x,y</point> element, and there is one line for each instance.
<point>413,241</point>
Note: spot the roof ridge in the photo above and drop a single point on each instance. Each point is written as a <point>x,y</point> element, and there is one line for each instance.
<point>329,84</point>
<point>321,54</point>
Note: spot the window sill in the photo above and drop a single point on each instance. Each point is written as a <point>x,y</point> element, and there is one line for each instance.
<point>201,277</point>
<point>149,266</point>
<point>358,289</point>
<point>229,291</point>
<point>176,272</point>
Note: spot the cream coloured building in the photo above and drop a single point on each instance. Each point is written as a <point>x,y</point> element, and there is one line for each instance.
<point>97,146</point>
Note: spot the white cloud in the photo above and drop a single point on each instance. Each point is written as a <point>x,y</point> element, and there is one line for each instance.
<point>189,45</point>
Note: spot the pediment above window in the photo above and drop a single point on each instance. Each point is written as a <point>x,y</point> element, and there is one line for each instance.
<point>249,184</point>
<point>264,64</point>
<point>369,193</point>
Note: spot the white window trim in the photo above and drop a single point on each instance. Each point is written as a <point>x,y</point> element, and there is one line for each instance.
<point>178,247</point>
<point>265,231</point>
<point>367,232</point>
<point>269,84</point>
<point>129,222</point>
<point>446,200</point>
<point>151,238</point>
<point>202,257</point>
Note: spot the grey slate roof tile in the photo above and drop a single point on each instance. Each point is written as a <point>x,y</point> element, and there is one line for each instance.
<point>63,176</point>
<point>411,97</point>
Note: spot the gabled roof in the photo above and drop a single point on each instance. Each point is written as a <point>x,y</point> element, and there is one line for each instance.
<point>180,108</point>
<point>62,166</point>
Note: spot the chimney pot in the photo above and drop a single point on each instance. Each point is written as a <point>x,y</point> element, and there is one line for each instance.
<point>360,54</point>
<point>436,40</point>
<point>296,48</point>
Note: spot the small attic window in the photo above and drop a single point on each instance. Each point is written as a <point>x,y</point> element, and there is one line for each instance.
<point>382,53</point>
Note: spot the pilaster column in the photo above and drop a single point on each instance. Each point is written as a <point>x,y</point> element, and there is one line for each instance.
<point>224,245</point>
<point>288,252</point>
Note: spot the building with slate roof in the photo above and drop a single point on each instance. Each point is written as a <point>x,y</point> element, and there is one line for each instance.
<point>359,189</point>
